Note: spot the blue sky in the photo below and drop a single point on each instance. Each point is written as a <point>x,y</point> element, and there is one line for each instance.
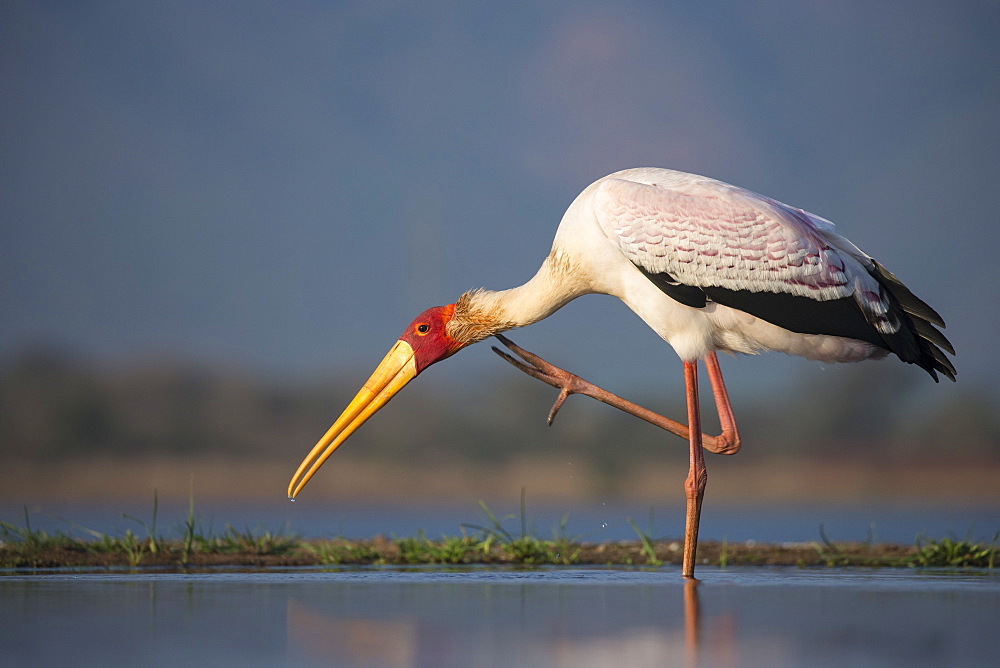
<point>282,186</point>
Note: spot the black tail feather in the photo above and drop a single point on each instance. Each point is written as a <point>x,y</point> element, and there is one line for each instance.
<point>928,331</point>
<point>907,300</point>
<point>918,341</point>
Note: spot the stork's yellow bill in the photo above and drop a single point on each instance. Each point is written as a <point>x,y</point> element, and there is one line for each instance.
<point>424,342</point>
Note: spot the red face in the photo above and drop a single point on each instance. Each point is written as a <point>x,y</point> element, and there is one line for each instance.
<point>424,342</point>
<point>428,336</point>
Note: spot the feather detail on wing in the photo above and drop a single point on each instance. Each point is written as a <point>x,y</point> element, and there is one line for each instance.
<point>719,235</point>
<point>699,239</point>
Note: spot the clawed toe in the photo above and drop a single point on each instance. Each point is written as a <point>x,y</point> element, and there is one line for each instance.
<point>533,365</point>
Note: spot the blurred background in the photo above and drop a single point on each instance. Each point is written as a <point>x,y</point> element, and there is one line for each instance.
<point>215,220</point>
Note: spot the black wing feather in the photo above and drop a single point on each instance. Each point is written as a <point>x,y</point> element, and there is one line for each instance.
<point>688,295</point>
<point>916,341</point>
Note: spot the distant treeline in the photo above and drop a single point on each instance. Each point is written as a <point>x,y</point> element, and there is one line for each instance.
<point>53,405</point>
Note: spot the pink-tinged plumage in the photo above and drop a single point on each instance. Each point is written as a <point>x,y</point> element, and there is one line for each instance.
<point>709,267</point>
<point>725,238</point>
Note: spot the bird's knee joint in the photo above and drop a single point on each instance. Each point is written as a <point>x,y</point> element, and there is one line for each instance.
<point>730,448</point>
<point>723,445</point>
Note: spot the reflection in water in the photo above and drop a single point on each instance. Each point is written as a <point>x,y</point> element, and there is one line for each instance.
<point>692,620</point>
<point>501,617</point>
<point>418,635</point>
<point>315,636</point>
<point>720,645</point>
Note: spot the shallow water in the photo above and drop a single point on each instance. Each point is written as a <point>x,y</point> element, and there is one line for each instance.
<point>501,617</point>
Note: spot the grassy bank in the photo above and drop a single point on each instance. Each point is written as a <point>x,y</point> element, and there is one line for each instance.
<point>21,547</point>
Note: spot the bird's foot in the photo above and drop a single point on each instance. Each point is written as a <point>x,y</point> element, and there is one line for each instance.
<point>567,383</point>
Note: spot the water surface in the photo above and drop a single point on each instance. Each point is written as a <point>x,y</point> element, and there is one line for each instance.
<point>501,617</point>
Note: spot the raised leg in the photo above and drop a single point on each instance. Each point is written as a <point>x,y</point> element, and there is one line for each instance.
<point>694,485</point>
<point>726,443</point>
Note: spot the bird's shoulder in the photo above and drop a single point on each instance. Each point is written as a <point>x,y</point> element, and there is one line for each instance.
<point>677,201</point>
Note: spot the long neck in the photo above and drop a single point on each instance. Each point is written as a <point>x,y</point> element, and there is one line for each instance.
<point>482,313</point>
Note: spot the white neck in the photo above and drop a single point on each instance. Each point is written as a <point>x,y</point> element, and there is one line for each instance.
<point>555,284</point>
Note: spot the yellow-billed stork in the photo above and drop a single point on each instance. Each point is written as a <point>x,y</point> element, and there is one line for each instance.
<point>708,266</point>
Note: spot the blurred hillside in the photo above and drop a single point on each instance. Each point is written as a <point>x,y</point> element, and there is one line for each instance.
<point>58,413</point>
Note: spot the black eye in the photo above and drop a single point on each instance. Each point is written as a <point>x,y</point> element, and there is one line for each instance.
<point>423,328</point>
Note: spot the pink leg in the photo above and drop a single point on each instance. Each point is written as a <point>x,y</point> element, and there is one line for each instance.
<point>694,485</point>
<point>726,443</point>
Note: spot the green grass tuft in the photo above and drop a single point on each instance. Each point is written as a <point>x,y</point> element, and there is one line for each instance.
<point>648,549</point>
<point>525,548</point>
<point>951,553</point>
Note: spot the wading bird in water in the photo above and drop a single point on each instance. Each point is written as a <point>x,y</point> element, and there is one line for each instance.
<point>709,267</point>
